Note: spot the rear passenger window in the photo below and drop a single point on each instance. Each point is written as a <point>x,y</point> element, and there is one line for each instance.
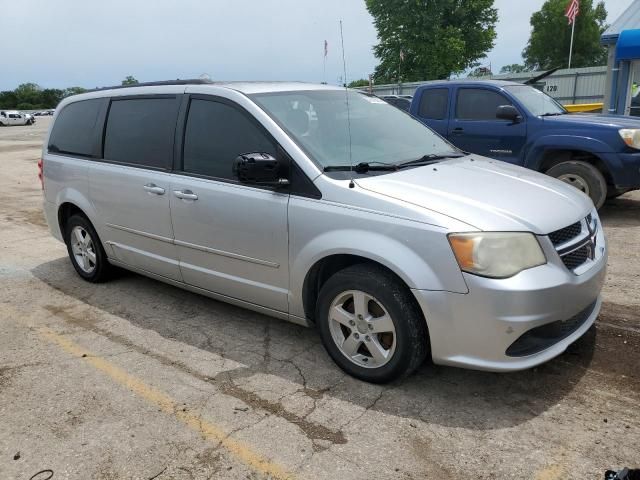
<point>74,130</point>
<point>216,134</point>
<point>140,131</point>
<point>434,103</point>
<point>478,104</point>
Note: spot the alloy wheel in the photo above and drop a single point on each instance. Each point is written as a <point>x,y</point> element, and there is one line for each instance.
<point>83,249</point>
<point>362,329</point>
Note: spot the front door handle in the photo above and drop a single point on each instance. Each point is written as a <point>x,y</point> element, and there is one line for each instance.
<point>185,194</point>
<point>457,131</point>
<point>154,189</point>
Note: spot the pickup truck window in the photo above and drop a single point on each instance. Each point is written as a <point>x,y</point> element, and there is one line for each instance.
<point>433,103</point>
<point>478,104</point>
<point>537,102</point>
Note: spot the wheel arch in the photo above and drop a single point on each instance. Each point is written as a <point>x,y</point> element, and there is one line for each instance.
<point>551,150</point>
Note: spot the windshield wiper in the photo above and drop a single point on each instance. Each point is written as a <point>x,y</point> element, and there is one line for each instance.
<point>431,158</point>
<point>362,167</point>
<point>553,114</point>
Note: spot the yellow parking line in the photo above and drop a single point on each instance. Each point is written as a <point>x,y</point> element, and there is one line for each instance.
<point>207,429</point>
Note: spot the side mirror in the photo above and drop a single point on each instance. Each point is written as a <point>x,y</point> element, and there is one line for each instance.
<point>508,112</point>
<point>259,169</point>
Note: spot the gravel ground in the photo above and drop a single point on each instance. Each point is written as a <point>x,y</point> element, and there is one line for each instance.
<point>137,379</point>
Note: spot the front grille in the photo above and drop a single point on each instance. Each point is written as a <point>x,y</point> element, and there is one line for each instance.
<point>540,338</point>
<point>576,244</point>
<point>565,234</point>
<point>576,258</point>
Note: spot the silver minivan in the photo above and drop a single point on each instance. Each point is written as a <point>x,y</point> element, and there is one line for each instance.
<point>329,208</point>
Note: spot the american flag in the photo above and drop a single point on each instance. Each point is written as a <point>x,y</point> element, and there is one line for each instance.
<point>573,9</point>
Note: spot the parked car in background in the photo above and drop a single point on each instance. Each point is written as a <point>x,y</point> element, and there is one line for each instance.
<point>598,154</point>
<point>358,220</point>
<point>399,102</point>
<point>14,117</point>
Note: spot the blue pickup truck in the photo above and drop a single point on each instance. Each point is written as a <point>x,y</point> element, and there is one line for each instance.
<point>516,123</point>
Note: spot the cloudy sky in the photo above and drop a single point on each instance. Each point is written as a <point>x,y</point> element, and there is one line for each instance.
<point>61,43</point>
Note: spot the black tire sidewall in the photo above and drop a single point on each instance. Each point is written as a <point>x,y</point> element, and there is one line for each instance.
<point>99,274</point>
<point>590,174</point>
<point>411,336</point>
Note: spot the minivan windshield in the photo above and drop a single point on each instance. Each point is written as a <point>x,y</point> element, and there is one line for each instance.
<point>319,123</point>
<point>537,102</point>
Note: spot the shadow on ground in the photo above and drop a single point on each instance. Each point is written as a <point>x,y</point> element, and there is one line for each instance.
<point>440,395</point>
<point>623,211</point>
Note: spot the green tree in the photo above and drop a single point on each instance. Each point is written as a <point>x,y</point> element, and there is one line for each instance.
<point>129,80</point>
<point>513,68</point>
<point>50,97</point>
<point>436,37</point>
<point>548,45</point>
<point>28,93</point>
<point>72,91</point>
<point>8,99</point>
<point>359,83</point>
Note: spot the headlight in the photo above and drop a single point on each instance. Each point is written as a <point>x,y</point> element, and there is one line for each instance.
<point>631,137</point>
<point>495,254</point>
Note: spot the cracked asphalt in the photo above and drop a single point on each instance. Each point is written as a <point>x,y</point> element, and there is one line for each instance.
<point>135,379</point>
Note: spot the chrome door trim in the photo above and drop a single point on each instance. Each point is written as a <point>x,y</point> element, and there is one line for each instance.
<point>226,254</point>
<point>194,246</point>
<point>138,232</point>
<point>216,296</point>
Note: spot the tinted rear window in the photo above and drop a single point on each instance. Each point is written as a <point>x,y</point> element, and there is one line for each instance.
<point>433,103</point>
<point>140,131</point>
<point>74,131</point>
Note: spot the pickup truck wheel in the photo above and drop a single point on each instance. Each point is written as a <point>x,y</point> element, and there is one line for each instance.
<point>585,177</point>
<point>371,325</point>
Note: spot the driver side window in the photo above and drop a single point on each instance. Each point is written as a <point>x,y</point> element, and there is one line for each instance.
<point>216,134</point>
<point>478,104</point>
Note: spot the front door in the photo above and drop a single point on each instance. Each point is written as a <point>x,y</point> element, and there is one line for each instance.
<point>231,238</point>
<point>130,189</point>
<point>475,128</point>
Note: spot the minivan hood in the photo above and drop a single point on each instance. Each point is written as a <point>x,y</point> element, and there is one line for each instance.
<point>486,194</point>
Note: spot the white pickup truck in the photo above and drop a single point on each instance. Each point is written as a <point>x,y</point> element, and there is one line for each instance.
<point>13,117</point>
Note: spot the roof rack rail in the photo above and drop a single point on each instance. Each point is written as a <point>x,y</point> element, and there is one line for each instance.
<point>190,81</point>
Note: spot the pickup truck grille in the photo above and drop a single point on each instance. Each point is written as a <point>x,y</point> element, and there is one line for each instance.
<point>576,244</point>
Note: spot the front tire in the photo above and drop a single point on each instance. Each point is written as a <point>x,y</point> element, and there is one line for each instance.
<point>370,324</point>
<point>585,177</point>
<point>85,250</point>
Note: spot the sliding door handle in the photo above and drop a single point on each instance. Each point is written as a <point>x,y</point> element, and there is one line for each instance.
<point>154,189</point>
<point>185,195</point>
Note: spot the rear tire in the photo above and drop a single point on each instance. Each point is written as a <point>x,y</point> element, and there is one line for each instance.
<point>371,325</point>
<point>85,250</point>
<point>584,177</point>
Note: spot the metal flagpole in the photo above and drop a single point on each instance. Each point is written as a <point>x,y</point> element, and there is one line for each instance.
<point>324,63</point>
<point>573,29</point>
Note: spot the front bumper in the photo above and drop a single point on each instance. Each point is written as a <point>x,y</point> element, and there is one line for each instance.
<point>476,329</point>
<point>624,168</point>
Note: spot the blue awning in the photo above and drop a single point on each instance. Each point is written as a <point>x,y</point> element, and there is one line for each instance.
<point>628,46</point>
